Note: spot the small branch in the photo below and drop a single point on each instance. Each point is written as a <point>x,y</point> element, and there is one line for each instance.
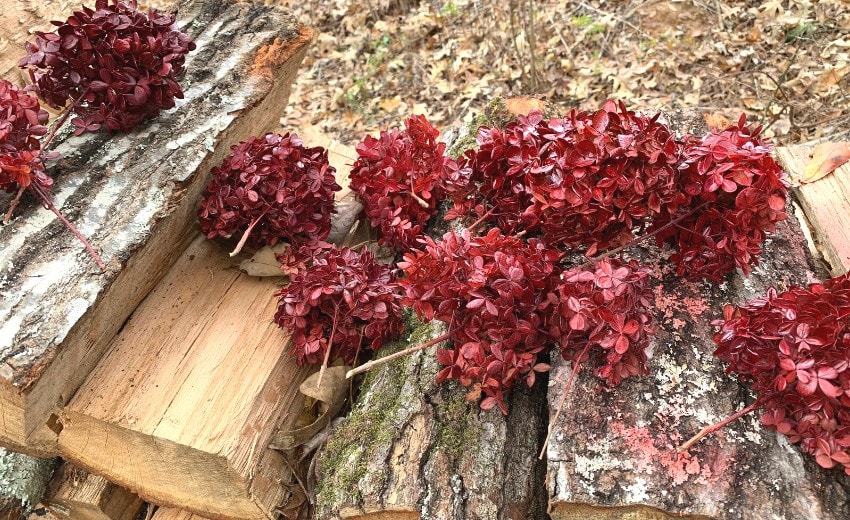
<point>14,205</point>
<point>365,367</point>
<point>61,120</point>
<point>45,198</point>
<point>643,237</point>
<point>716,426</point>
<point>247,232</point>
<point>576,367</point>
<point>328,351</point>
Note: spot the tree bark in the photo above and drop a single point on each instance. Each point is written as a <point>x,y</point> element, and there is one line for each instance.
<point>135,197</point>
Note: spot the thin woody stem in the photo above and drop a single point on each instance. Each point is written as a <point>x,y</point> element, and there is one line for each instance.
<point>14,205</point>
<point>52,207</point>
<point>247,233</point>
<point>722,424</point>
<point>328,351</point>
<point>369,365</point>
<point>61,120</point>
<point>554,421</point>
<point>642,238</point>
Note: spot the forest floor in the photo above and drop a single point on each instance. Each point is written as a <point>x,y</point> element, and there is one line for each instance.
<point>784,63</point>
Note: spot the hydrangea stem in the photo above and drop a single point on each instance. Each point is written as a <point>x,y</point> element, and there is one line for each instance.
<point>719,425</point>
<point>48,203</point>
<point>369,365</point>
<point>554,421</point>
<point>328,351</point>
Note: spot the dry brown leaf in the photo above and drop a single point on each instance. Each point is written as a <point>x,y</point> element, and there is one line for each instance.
<point>521,106</point>
<point>716,121</point>
<point>826,158</point>
<point>332,393</point>
<point>264,262</point>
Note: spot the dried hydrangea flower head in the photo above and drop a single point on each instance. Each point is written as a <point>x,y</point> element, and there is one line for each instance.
<point>118,65</point>
<point>268,189</point>
<point>793,349</point>
<point>400,177</point>
<point>21,124</point>
<point>340,303</point>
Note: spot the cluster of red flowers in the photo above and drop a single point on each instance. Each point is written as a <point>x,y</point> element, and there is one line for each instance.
<point>400,177</point>
<point>604,314</point>
<point>117,64</point>
<point>585,181</point>
<point>272,187</point>
<point>21,123</point>
<point>336,299</point>
<point>590,180</point>
<point>734,192</point>
<point>793,349</point>
<point>495,292</point>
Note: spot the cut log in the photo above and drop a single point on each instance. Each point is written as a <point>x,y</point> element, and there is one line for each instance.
<point>79,495</point>
<point>613,455</point>
<point>826,203</point>
<point>181,408</point>
<point>413,449</point>
<point>134,196</point>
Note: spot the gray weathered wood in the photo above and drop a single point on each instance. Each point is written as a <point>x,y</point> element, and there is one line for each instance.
<point>23,481</point>
<point>134,196</point>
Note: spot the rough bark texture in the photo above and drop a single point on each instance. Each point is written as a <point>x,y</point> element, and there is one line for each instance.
<point>134,196</point>
<point>413,449</point>
<point>23,481</point>
<point>613,455</point>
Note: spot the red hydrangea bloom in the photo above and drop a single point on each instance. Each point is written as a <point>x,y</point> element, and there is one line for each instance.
<point>603,315</point>
<point>120,63</point>
<point>400,177</point>
<point>793,349</point>
<point>736,193</point>
<point>274,183</point>
<point>584,181</point>
<point>341,299</point>
<point>496,293</point>
<point>21,123</point>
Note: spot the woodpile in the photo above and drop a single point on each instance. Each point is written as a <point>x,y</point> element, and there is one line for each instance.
<point>173,414</point>
<point>165,380</point>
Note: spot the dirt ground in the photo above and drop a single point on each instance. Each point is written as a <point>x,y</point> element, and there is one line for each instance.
<point>784,63</point>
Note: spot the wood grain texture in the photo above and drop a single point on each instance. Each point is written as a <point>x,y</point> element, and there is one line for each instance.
<point>826,203</point>
<point>134,195</point>
<point>182,407</point>
<point>79,495</point>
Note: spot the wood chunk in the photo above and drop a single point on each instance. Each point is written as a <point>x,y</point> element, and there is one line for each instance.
<point>80,495</point>
<point>613,455</point>
<point>182,406</point>
<point>135,197</point>
<point>826,203</point>
<point>23,481</point>
<point>411,447</point>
